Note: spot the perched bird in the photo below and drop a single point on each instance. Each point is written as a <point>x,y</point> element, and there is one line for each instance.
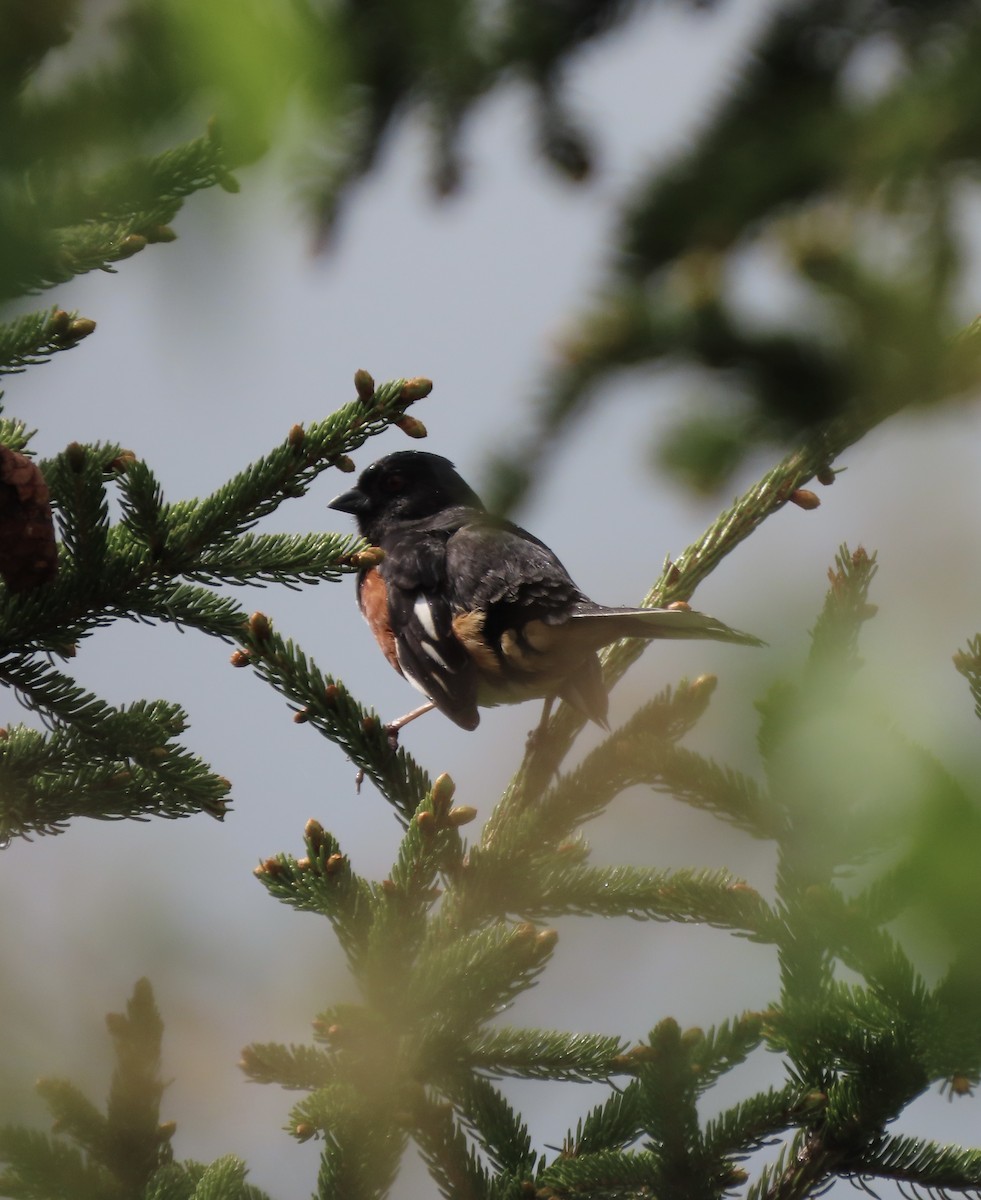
<point>473,610</point>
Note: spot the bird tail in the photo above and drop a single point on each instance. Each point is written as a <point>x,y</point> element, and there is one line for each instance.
<point>615,623</point>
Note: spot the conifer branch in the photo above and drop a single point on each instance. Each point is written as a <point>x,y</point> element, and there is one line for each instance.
<point>323,882</point>
<point>87,225</point>
<point>542,1054</point>
<point>454,1166</point>
<point>123,1149</point>
<point>97,761</point>
<point>293,1067</point>
<point>606,1173</point>
<point>482,971</point>
<point>363,1134</point>
<point>289,470</point>
<point>138,568</point>
<point>612,1125</point>
<point>757,1121</point>
<point>323,702</point>
<point>705,897</point>
<point>224,1179</point>
<point>502,1136</point>
<point>13,433</point>
<point>680,577</point>
<point>834,638</point>
<point>968,663</point>
<point>34,337</point>
<point>925,1165</point>
<point>153,185</point>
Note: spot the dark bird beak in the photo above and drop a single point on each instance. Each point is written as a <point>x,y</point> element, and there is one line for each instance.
<point>354,502</point>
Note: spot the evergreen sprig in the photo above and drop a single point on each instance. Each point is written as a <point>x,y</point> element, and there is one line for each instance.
<point>124,1151</point>
<point>322,701</point>
<point>968,663</point>
<point>116,1154</point>
<point>97,760</point>
<point>78,224</point>
<point>224,1179</point>
<point>34,337</point>
<point>165,562</point>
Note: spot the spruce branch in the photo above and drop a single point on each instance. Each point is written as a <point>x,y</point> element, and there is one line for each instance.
<point>641,751</point>
<point>680,577</point>
<point>968,664</point>
<point>13,433</point>
<point>481,971</point>
<point>758,1121</point>
<point>363,1137</point>
<point>834,638</point>
<point>37,1165</point>
<point>323,882</point>
<point>542,1054</point>
<point>224,1179</point>
<point>801,1168</point>
<point>704,897</point>
<point>612,1125</point>
<point>451,1160</point>
<point>322,701</point>
<point>97,761</point>
<point>34,337</point>
<point>925,1165</point>
<point>290,469</point>
<point>112,1156</point>
<point>501,1134</point>
<point>162,562</point>
<point>604,1174</point>
<point>302,1068</point>
<point>433,975</point>
<point>155,185</point>
<point>79,225</point>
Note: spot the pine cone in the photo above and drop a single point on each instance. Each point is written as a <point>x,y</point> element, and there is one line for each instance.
<point>28,555</point>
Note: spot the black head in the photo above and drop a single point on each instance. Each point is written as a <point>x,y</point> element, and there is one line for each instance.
<point>404,486</point>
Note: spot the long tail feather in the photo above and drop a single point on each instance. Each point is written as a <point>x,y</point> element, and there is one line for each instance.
<point>663,623</point>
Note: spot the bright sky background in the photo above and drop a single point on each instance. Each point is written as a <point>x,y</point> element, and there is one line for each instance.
<point>207,351</point>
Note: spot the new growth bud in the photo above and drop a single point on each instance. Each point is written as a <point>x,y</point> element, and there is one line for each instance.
<point>443,791</point>
<point>364,385</point>
<point>415,389</point>
<point>259,626</point>
<point>412,427</point>
<point>804,499</point>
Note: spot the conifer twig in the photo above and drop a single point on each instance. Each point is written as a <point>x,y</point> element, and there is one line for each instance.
<point>680,577</point>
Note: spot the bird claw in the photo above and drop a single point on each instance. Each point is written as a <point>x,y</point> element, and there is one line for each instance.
<point>391,732</point>
<point>539,735</point>
<point>534,739</point>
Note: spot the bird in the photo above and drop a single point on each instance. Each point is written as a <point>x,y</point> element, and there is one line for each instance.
<point>475,611</point>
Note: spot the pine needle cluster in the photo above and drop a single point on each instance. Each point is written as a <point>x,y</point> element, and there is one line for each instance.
<point>159,562</point>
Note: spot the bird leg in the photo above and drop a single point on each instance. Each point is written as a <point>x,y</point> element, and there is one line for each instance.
<point>537,735</point>
<point>393,727</point>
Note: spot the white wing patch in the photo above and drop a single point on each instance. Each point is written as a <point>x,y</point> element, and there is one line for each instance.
<point>424,615</point>
<point>420,687</point>
<point>431,652</point>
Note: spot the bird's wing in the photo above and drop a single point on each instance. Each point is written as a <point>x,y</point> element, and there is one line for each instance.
<point>430,655</point>
<point>501,570</point>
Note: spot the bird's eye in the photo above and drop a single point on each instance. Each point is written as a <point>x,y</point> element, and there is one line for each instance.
<point>394,484</point>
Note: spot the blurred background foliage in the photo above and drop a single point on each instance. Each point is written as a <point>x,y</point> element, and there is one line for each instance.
<point>839,159</point>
